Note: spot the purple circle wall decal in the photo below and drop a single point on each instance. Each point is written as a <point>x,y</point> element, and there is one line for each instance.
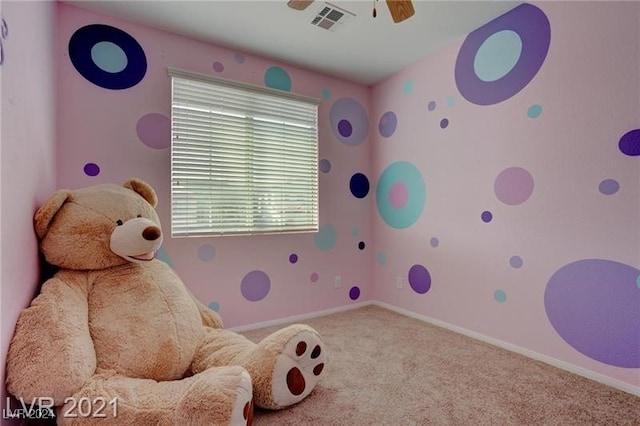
<point>431,105</point>
<point>218,67</point>
<point>515,262</point>
<point>419,279</point>
<point>359,185</point>
<point>513,186</point>
<point>527,22</point>
<point>314,277</point>
<point>434,242</point>
<point>630,143</point>
<point>255,286</point>
<point>609,186</point>
<point>154,130</point>
<point>349,121</point>
<point>239,58</point>
<point>387,124</point>
<point>91,169</point>
<point>594,305</point>
<point>324,165</point>
<point>96,51</point>
<point>293,258</point>
<point>354,293</point>
<point>206,252</point>
<point>486,216</point>
<point>444,123</point>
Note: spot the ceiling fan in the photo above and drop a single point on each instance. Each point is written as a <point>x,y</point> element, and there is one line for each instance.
<point>400,9</point>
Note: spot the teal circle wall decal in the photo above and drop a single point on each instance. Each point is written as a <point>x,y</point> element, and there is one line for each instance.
<point>400,195</point>
<point>277,78</point>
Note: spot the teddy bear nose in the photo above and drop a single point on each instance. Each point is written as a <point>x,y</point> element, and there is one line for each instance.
<point>151,233</point>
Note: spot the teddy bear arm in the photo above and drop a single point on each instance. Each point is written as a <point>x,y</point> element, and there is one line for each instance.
<point>51,353</point>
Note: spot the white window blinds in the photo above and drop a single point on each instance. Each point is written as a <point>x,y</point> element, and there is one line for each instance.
<point>243,158</point>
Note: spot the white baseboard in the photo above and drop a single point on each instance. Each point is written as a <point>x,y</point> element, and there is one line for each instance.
<point>601,378</point>
<point>297,318</point>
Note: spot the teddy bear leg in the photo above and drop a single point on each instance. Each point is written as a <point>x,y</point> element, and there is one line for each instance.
<point>218,396</point>
<point>286,366</point>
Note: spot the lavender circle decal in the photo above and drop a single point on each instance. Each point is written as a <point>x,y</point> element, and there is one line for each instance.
<point>500,58</point>
<point>594,305</point>
<point>387,124</point>
<point>349,121</point>
<point>255,286</point>
<point>419,279</point>
<point>513,186</point>
<point>154,130</point>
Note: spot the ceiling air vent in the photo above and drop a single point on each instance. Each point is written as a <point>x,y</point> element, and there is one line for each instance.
<point>331,17</point>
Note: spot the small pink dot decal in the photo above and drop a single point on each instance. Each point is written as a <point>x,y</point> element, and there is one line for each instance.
<point>398,195</point>
<point>154,130</point>
<point>218,67</point>
<point>314,277</point>
<point>513,186</point>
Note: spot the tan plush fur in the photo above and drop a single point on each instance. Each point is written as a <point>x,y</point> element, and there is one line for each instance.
<point>116,323</point>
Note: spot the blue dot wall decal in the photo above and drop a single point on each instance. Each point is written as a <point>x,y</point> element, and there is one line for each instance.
<point>387,124</point>
<point>381,258</point>
<point>326,237</point>
<point>162,255</point>
<point>630,143</point>
<point>407,87</point>
<point>107,56</point>
<point>255,286</point>
<point>91,169</point>
<point>500,296</point>
<point>400,195</point>
<point>609,186</point>
<point>326,93</point>
<point>500,58</point>
<point>349,121</point>
<point>534,111</point>
<point>419,279</point>
<point>497,55</point>
<point>594,305</point>
<point>277,78</point>
<point>451,101</point>
<point>359,185</point>
<point>214,306</point>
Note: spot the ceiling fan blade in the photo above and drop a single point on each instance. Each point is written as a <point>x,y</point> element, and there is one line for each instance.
<point>400,9</point>
<point>299,4</point>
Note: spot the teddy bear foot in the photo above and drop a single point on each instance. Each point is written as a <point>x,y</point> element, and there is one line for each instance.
<point>297,369</point>
<point>205,400</point>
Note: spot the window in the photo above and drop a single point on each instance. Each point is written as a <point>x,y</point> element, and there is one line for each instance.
<point>243,158</point>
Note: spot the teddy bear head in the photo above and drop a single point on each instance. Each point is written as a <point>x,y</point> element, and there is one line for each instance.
<point>99,226</point>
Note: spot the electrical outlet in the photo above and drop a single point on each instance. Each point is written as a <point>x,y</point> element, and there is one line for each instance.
<point>399,282</point>
<point>338,281</point>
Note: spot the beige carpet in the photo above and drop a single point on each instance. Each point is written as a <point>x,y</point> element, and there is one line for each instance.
<point>388,369</point>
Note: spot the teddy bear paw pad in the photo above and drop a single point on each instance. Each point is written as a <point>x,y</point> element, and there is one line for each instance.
<point>298,369</point>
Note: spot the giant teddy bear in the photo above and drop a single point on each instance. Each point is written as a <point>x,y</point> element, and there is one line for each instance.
<point>116,330</point>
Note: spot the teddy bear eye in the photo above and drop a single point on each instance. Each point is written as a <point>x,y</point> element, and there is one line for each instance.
<point>119,222</point>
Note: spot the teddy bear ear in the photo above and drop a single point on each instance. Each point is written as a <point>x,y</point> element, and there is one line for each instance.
<point>48,210</point>
<point>144,189</point>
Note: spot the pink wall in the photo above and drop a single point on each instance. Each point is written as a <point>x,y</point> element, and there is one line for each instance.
<point>107,135</point>
<point>28,151</point>
<point>554,270</point>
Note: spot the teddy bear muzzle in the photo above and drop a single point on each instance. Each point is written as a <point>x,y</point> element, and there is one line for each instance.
<point>136,240</point>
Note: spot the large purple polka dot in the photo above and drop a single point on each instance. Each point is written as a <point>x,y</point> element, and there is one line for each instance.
<point>630,143</point>
<point>359,185</point>
<point>513,186</point>
<point>354,293</point>
<point>419,279</point>
<point>521,37</point>
<point>349,121</point>
<point>594,305</point>
<point>91,169</point>
<point>255,286</point>
<point>387,124</point>
<point>154,130</point>
<point>293,258</point>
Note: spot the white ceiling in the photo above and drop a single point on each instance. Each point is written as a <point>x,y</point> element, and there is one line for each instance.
<point>364,50</point>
